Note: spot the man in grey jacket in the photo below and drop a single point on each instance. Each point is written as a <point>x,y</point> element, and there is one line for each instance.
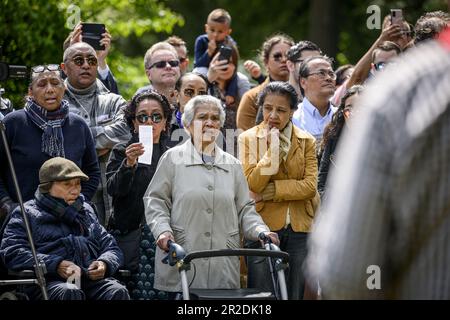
<point>101,109</point>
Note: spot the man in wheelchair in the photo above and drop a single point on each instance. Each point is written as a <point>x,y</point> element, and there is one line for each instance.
<point>79,255</point>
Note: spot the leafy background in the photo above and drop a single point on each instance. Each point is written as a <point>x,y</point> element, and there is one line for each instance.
<point>32,32</point>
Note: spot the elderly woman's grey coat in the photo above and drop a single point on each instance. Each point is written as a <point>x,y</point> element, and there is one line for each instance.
<point>205,207</point>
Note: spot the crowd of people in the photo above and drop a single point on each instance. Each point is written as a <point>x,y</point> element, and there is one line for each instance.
<point>230,160</point>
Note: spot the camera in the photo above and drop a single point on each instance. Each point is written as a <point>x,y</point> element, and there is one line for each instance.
<point>8,71</point>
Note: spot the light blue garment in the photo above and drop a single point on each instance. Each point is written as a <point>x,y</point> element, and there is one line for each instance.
<point>308,118</point>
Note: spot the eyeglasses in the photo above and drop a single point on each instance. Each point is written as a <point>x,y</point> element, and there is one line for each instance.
<point>155,117</point>
<point>278,56</point>
<point>182,59</point>
<point>42,68</point>
<point>163,64</point>
<point>323,74</point>
<point>380,65</point>
<point>79,61</point>
<point>191,93</point>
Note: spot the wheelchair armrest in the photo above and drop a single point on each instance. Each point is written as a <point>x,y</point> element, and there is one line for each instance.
<point>124,273</point>
<point>22,273</point>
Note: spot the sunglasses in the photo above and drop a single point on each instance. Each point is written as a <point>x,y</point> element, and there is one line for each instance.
<point>163,64</point>
<point>155,117</point>
<point>191,93</point>
<point>79,61</point>
<point>278,56</point>
<point>42,68</point>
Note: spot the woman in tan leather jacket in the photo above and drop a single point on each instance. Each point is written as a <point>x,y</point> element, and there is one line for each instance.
<point>280,165</point>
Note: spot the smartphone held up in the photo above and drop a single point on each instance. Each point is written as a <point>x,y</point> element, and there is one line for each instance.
<point>396,16</point>
<point>92,34</point>
<point>225,53</point>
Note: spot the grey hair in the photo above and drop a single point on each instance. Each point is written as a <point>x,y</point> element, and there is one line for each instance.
<point>191,107</point>
<point>157,47</point>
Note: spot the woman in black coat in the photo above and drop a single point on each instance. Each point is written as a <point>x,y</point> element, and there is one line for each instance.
<point>332,134</point>
<point>127,182</point>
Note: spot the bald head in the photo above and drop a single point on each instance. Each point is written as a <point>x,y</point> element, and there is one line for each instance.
<point>80,65</point>
<point>76,47</point>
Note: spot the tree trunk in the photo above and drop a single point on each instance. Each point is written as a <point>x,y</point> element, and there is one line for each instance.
<point>323,26</point>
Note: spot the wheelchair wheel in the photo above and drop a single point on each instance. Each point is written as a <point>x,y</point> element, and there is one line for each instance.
<point>8,296</point>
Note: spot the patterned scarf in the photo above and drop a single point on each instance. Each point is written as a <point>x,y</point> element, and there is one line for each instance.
<point>285,141</point>
<point>51,123</point>
<point>73,214</point>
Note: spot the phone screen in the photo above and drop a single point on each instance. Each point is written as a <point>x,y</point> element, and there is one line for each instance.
<point>92,34</point>
<point>225,53</point>
<point>396,16</point>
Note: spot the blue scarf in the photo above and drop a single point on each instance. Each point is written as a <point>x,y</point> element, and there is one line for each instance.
<point>72,215</point>
<point>51,123</point>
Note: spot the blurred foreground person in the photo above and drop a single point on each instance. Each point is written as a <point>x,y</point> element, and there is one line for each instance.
<point>384,231</point>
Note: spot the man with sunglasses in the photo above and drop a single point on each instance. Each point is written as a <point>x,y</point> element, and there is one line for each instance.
<point>162,68</point>
<point>104,73</point>
<point>101,109</point>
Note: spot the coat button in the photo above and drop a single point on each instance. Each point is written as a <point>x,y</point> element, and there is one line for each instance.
<point>209,210</point>
<point>207,234</point>
<point>209,167</point>
<point>210,188</point>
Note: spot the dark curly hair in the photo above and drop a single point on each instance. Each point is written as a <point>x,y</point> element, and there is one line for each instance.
<point>429,25</point>
<point>334,128</point>
<point>130,110</point>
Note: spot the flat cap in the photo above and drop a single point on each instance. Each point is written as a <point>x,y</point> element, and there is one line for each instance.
<point>60,169</point>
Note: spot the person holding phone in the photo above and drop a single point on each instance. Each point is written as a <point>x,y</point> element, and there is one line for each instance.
<point>128,180</point>
<point>222,72</point>
<point>217,39</point>
<point>104,73</point>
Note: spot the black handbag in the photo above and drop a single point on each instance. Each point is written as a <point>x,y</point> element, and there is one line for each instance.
<point>129,243</point>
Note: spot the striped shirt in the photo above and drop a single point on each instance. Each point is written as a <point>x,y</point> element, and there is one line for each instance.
<point>384,230</point>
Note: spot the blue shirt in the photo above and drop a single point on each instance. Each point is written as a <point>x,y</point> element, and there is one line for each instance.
<point>308,118</point>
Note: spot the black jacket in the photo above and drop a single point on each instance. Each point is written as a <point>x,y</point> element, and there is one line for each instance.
<point>127,186</point>
<point>326,163</point>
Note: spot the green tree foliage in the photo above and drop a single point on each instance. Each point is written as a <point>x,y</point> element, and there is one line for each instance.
<point>32,32</point>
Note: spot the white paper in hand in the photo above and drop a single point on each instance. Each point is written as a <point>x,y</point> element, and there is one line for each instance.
<point>146,138</point>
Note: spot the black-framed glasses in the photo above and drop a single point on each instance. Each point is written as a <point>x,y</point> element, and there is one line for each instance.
<point>42,68</point>
<point>163,64</point>
<point>155,117</point>
<point>278,56</point>
<point>323,74</point>
<point>191,93</point>
<point>79,61</point>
